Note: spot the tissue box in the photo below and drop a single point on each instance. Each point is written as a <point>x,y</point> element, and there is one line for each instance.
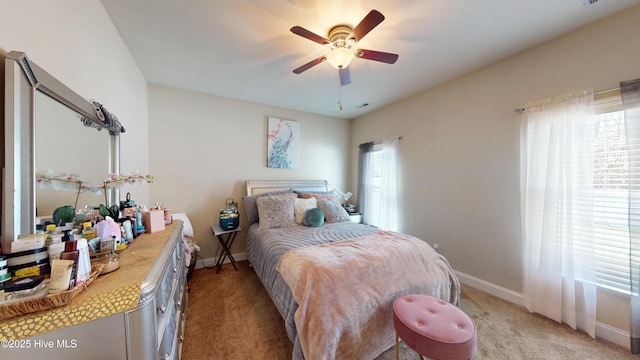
<point>153,220</point>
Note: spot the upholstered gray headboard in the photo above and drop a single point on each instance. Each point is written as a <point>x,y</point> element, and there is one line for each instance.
<point>257,187</point>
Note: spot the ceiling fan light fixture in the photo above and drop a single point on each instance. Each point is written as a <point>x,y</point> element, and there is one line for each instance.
<point>340,57</point>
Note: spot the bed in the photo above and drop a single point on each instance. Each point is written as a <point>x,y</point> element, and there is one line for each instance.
<point>335,284</point>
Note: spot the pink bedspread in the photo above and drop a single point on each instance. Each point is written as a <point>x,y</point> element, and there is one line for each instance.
<point>345,291</point>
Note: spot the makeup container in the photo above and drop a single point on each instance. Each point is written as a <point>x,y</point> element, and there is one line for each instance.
<point>29,263</point>
<point>23,286</point>
<point>5,275</point>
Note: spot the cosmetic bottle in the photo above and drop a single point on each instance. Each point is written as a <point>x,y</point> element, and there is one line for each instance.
<point>87,231</point>
<point>50,230</point>
<point>134,228</point>
<point>71,253</point>
<point>54,250</point>
<point>67,235</point>
<point>123,235</point>
<point>128,231</point>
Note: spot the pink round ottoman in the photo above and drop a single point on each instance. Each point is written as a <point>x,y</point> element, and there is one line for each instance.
<point>434,328</point>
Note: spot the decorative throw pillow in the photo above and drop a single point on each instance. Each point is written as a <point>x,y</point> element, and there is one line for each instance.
<point>333,212</point>
<point>187,229</point>
<point>301,206</point>
<point>276,211</point>
<point>302,192</point>
<point>328,195</point>
<point>251,206</point>
<point>313,218</point>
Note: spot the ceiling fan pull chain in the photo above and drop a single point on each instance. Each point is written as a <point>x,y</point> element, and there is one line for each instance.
<point>340,96</point>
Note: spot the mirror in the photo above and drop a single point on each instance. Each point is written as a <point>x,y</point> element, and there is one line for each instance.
<point>77,150</point>
<point>34,136</point>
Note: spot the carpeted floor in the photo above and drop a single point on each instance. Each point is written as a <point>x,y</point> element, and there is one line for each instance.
<point>230,316</point>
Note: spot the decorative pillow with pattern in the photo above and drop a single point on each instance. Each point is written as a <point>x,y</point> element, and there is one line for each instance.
<point>333,212</point>
<point>251,206</point>
<point>301,206</point>
<point>276,211</point>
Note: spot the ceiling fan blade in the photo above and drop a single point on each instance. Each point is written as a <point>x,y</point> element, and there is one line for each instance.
<point>384,57</point>
<point>298,30</point>
<point>345,77</point>
<point>310,64</point>
<point>373,18</point>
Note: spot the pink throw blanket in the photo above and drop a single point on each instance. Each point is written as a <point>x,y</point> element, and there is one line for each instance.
<point>345,291</point>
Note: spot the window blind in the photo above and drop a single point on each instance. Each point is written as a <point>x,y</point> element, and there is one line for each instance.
<point>611,193</point>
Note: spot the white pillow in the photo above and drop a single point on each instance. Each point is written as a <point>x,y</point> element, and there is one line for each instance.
<point>188,228</point>
<point>301,206</point>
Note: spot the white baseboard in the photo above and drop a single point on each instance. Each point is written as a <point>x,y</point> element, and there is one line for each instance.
<point>614,335</point>
<point>209,262</point>
<point>489,288</point>
<point>603,331</point>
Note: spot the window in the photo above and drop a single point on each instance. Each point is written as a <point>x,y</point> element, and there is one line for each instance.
<point>375,186</point>
<point>377,183</point>
<point>610,197</point>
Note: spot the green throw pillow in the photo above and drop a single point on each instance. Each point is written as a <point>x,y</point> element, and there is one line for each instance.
<point>313,218</point>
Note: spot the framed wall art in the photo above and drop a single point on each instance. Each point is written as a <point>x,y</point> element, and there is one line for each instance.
<point>283,143</point>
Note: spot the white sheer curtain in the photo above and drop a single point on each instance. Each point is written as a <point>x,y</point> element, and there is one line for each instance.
<point>389,185</point>
<point>557,161</point>
<point>365,183</point>
<point>630,91</point>
<point>378,184</point>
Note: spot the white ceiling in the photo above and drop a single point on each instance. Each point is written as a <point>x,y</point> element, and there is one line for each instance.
<point>243,49</point>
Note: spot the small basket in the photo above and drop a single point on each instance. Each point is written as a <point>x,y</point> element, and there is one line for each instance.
<point>192,264</point>
<point>48,301</point>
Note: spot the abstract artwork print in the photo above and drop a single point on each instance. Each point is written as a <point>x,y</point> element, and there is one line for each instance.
<point>283,143</point>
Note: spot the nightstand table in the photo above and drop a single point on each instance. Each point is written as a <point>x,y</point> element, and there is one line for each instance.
<point>225,238</point>
<point>355,217</point>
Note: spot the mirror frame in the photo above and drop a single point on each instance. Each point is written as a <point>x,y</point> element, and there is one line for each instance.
<point>22,79</point>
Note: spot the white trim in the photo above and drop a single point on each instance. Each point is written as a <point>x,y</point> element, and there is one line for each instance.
<point>489,288</point>
<point>603,331</point>
<point>210,262</point>
<point>614,335</point>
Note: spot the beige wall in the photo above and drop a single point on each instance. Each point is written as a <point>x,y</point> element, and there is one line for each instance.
<point>460,152</point>
<point>203,148</point>
<point>76,42</point>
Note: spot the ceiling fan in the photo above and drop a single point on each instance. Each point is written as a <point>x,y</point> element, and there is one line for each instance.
<point>342,40</point>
